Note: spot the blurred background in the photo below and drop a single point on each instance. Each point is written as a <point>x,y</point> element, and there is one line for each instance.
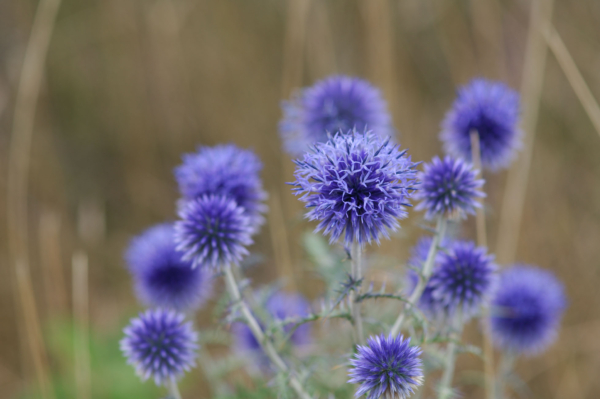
<point>130,85</point>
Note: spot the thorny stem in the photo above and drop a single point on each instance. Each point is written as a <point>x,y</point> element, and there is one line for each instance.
<point>259,335</point>
<point>355,307</point>
<point>427,269</point>
<point>173,389</point>
<point>445,390</point>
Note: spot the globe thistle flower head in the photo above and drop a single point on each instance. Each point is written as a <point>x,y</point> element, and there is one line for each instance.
<point>161,277</point>
<point>212,231</point>
<point>492,110</point>
<point>449,188</point>
<point>526,310</point>
<point>356,185</point>
<point>418,257</point>
<point>279,306</point>
<point>338,103</point>
<point>160,345</point>
<point>463,279</point>
<point>387,367</point>
<point>224,170</point>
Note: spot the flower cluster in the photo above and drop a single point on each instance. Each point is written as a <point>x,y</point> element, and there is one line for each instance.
<point>159,344</point>
<point>387,367</point>
<point>449,187</point>
<point>356,185</point>
<point>527,309</point>
<point>162,278</point>
<point>491,109</point>
<point>336,104</point>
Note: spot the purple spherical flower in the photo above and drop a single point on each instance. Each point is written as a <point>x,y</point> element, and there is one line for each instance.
<point>161,277</point>
<point>449,187</point>
<point>279,306</point>
<point>463,278</point>
<point>357,185</point>
<point>338,103</point>
<point>213,231</point>
<point>417,259</point>
<point>387,367</point>
<point>492,110</point>
<point>526,309</point>
<point>224,170</point>
<point>159,344</point>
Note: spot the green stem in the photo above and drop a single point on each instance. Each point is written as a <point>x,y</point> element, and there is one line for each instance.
<point>355,307</point>
<point>259,335</point>
<point>426,273</point>
<point>445,391</point>
<point>173,389</point>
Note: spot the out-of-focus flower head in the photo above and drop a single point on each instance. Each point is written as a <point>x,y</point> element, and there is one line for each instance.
<point>492,110</point>
<point>356,185</point>
<point>386,367</point>
<point>526,309</point>
<point>279,306</point>
<point>416,261</point>
<point>160,345</point>
<point>449,188</point>
<point>161,277</point>
<point>225,170</point>
<point>212,231</point>
<point>338,103</point>
<point>463,279</point>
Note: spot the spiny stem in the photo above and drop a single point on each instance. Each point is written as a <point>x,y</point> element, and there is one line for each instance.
<point>445,391</point>
<point>506,365</point>
<point>356,254</point>
<point>173,389</point>
<point>259,335</point>
<point>427,269</point>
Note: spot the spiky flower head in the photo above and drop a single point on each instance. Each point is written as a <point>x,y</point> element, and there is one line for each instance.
<point>526,309</point>
<point>463,278</point>
<point>224,170</point>
<point>355,184</point>
<point>338,103</point>
<point>161,277</point>
<point>492,110</point>
<point>418,257</point>
<point>212,231</point>
<point>160,345</point>
<point>279,306</point>
<point>386,367</point>
<point>449,188</point>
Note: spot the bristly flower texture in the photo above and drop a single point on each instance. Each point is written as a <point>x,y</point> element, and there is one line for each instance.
<point>490,108</point>
<point>213,231</point>
<point>463,279</point>
<point>356,184</point>
<point>280,306</point>
<point>162,278</point>
<point>416,261</point>
<point>160,345</point>
<point>338,103</point>
<point>449,188</point>
<point>526,310</point>
<point>387,367</point>
<point>224,170</point>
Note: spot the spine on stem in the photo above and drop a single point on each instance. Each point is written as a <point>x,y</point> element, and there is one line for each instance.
<point>445,390</point>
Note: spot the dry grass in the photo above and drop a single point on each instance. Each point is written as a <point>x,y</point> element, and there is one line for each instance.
<point>131,84</point>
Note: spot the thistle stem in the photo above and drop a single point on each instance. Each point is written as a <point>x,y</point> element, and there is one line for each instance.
<point>173,389</point>
<point>445,391</point>
<point>356,254</point>
<point>259,335</point>
<point>426,273</point>
<point>506,365</point>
